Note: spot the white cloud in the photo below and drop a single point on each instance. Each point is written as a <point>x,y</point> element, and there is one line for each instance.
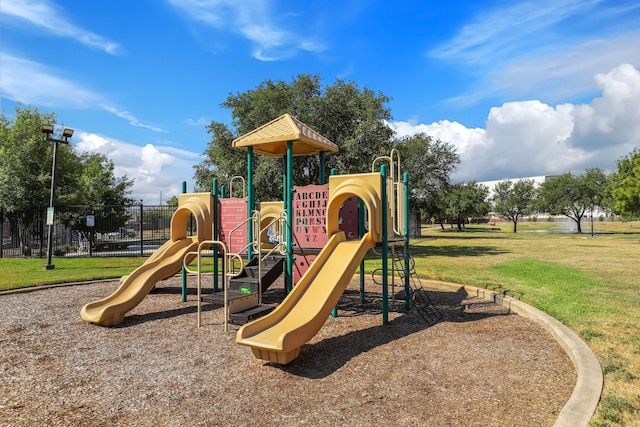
<point>530,48</point>
<point>31,82</point>
<point>252,20</point>
<point>615,116</point>
<point>501,32</point>
<point>565,73</point>
<point>43,14</point>
<point>199,122</point>
<point>155,169</point>
<point>131,118</point>
<point>530,138</point>
<point>453,132</point>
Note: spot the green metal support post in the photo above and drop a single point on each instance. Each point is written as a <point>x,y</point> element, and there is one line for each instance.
<point>407,287</point>
<point>184,271</point>
<point>288,276</point>
<point>385,248</point>
<point>321,178</point>
<point>216,233</point>
<point>250,200</point>
<point>284,183</point>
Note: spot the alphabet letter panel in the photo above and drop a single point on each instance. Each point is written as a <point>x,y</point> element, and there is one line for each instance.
<point>309,222</point>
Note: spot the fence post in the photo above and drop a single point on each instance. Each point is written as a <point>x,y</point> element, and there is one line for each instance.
<point>1,232</point>
<point>41,229</point>
<point>91,233</point>
<point>141,230</point>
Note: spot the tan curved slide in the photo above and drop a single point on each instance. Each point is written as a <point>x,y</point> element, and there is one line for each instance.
<point>279,336</point>
<point>163,263</point>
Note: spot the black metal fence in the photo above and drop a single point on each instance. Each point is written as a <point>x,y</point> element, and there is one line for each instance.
<point>86,231</point>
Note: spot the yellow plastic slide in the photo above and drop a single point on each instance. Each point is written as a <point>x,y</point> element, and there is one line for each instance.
<point>279,336</point>
<point>163,263</point>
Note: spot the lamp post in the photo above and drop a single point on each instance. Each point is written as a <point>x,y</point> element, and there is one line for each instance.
<point>66,134</point>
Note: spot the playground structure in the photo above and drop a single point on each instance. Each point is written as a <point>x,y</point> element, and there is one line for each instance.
<point>234,227</point>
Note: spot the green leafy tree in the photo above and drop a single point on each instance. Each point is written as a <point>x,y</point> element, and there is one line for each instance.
<point>96,185</point>
<point>221,161</point>
<point>625,185</point>
<point>466,200</point>
<point>352,117</point>
<point>513,200</point>
<point>25,171</point>
<point>430,164</point>
<point>574,195</point>
<point>173,202</point>
<point>25,164</point>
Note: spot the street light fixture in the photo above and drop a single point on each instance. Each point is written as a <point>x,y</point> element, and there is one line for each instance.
<point>66,134</point>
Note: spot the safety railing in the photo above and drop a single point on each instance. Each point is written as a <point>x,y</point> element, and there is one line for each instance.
<point>243,186</point>
<point>231,268</point>
<point>205,245</point>
<point>395,189</point>
<point>234,260</point>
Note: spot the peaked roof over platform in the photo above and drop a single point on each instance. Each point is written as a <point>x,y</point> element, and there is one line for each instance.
<point>271,139</point>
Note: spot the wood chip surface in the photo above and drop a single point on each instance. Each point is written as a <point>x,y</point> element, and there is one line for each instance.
<point>477,366</point>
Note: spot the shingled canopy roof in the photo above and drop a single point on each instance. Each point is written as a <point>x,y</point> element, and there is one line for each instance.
<point>271,139</point>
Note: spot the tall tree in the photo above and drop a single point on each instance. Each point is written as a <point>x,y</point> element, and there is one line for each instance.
<point>466,200</point>
<point>430,163</point>
<point>353,118</point>
<point>25,164</point>
<point>25,170</point>
<point>513,200</point>
<point>573,195</point>
<point>97,186</point>
<point>626,185</point>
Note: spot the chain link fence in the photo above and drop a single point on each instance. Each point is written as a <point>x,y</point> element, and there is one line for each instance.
<point>87,231</point>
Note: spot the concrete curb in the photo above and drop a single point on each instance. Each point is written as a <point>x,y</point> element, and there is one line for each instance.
<point>585,397</point>
<point>56,285</point>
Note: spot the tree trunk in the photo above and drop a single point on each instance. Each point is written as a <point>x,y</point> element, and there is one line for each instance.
<point>515,226</point>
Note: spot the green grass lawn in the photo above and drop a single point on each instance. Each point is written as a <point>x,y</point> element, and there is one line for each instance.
<point>21,273</point>
<point>588,283</point>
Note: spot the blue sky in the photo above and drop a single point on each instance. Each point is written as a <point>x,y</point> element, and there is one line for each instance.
<point>521,88</point>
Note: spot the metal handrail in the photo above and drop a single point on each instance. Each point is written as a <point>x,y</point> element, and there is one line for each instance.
<point>244,186</point>
<point>230,259</point>
<point>254,242</point>
<point>396,180</point>
<point>231,265</point>
<point>256,220</point>
<point>281,220</point>
<point>280,247</point>
<point>198,253</point>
